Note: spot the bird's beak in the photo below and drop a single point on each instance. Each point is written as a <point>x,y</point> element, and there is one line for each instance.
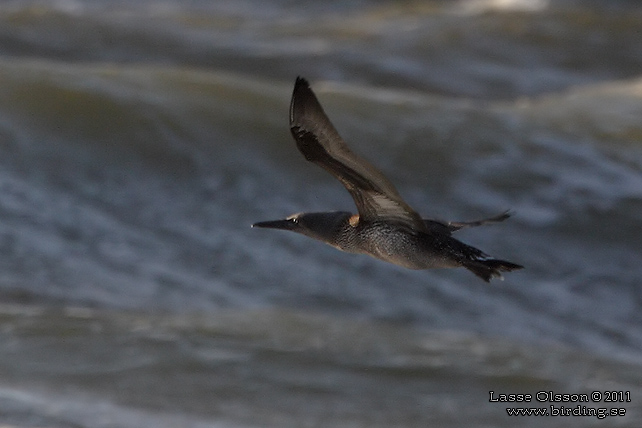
<point>276,224</point>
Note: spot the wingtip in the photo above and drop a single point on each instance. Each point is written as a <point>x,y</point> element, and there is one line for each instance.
<point>506,214</point>
<point>300,81</point>
<point>301,86</point>
<point>301,94</point>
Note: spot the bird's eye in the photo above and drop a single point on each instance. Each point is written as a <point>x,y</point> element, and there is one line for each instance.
<point>294,220</point>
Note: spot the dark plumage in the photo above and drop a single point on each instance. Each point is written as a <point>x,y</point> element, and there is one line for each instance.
<point>386,227</point>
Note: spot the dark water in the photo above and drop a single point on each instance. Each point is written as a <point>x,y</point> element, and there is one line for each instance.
<point>138,142</point>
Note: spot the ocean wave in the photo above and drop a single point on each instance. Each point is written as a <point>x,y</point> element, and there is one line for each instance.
<point>139,141</point>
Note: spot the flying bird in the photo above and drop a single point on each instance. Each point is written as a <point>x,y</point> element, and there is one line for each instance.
<point>386,227</point>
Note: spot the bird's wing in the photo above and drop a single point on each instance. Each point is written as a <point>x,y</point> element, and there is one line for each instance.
<point>447,227</point>
<point>375,196</point>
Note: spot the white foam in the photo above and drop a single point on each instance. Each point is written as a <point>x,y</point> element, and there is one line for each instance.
<point>481,6</point>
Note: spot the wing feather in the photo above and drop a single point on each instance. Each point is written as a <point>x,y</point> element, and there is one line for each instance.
<point>317,139</point>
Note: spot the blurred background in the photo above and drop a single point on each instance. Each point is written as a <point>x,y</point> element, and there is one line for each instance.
<point>140,140</point>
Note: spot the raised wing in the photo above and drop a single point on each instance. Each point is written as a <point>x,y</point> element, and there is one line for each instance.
<point>375,196</point>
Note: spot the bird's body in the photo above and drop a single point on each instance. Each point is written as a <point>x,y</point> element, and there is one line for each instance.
<point>386,227</point>
<point>399,245</point>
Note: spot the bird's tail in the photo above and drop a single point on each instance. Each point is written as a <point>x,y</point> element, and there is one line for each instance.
<point>487,267</point>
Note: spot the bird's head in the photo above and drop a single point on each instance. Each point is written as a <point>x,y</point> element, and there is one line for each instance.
<point>321,226</point>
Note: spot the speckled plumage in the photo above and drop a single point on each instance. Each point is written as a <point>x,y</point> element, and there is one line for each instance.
<point>386,227</point>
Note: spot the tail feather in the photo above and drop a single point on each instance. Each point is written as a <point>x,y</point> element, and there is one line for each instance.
<point>473,259</point>
<point>487,268</point>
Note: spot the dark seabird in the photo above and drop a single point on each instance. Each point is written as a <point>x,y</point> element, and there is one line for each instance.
<point>386,227</point>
